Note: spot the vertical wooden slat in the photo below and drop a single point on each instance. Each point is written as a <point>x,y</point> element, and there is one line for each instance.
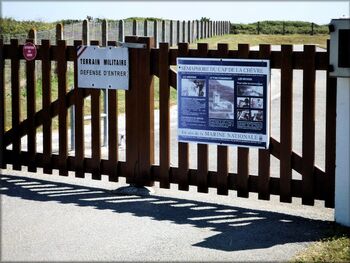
<point>2,105</point>
<point>112,131</point>
<point>62,112</point>
<point>222,151</point>
<point>164,104</point>
<point>140,115</point>
<point>131,108</point>
<point>243,153</point>
<point>308,132</point>
<point>46,101</point>
<point>286,123</point>
<point>202,149</point>
<point>264,155</point>
<point>78,121</point>
<point>16,141</point>
<point>31,88</point>
<point>146,113</point>
<point>183,171</point>
<point>112,134</point>
<point>331,103</point>
<point>95,129</point>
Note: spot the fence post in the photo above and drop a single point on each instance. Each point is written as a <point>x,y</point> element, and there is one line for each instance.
<point>177,31</point>
<point>283,28</point>
<point>258,28</point>
<point>163,31</point>
<point>210,29</point>
<point>339,59</point>
<point>312,29</point>
<point>171,40</point>
<point>85,35</point>
<point>202,29</point>
<point>134,27</point>
<point>31,99</point>
<point>189,26</point>
<point>155,33</point>
<point>140,115</point>
<point>121,31</point>
<point>145,28</point>
<point>184,31</point>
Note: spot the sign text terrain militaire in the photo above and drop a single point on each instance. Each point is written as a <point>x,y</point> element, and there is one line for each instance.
<point>103,67</point>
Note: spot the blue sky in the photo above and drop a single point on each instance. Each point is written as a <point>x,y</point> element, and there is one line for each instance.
<point>320,12</point>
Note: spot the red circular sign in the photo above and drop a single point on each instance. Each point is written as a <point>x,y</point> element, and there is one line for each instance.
<point>29,51</point>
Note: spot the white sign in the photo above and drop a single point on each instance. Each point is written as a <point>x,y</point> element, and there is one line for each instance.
<point>103,67</point>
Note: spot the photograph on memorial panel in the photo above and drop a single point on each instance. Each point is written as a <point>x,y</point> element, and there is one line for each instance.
<point>256,115</point>
<point>193,87</point>
<point>243,115</point>
<point>221,99</point>
<point>243,102</point>
<point>256,103</point>
<point>256,91</point>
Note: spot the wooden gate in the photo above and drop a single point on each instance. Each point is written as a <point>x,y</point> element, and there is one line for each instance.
<point>139,166</point>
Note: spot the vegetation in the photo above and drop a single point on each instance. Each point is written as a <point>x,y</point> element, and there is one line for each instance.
<point>255,40</point>
<point>279,27</point>
<point>12,26</point>
<point>334,248</point>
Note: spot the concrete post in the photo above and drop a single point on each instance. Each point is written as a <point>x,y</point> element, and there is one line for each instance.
<point>134,28</point>
<point>189,33</point>
<point>163,31</point>
<point>342,164</point>
<point>121,31</point>
<point>155,33</point>
<point>340,62</point>
<point>171,33</point>
<point>145,28</point>
<point>183,31</point>
<point>178,31</point>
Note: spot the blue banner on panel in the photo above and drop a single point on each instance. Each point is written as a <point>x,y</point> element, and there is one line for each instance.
<point>224,101</point>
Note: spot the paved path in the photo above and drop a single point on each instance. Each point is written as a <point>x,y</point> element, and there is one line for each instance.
<point>49,218</point>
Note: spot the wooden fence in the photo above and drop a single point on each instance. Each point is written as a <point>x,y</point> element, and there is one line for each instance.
<point>139,165</point>
<point>171,31</point>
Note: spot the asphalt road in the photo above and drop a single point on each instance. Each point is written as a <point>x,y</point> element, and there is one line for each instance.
<point>53,218</point>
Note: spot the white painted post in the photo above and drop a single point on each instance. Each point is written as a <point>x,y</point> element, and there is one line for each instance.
<point>342,163</point>
<point>340,63</point>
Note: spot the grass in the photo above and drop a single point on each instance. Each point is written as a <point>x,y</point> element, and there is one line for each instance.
<point>232,40</point>
<point>255,40</point>
<point>334,248</point>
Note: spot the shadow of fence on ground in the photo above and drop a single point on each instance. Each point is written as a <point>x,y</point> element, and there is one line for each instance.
<point>238,228</point>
